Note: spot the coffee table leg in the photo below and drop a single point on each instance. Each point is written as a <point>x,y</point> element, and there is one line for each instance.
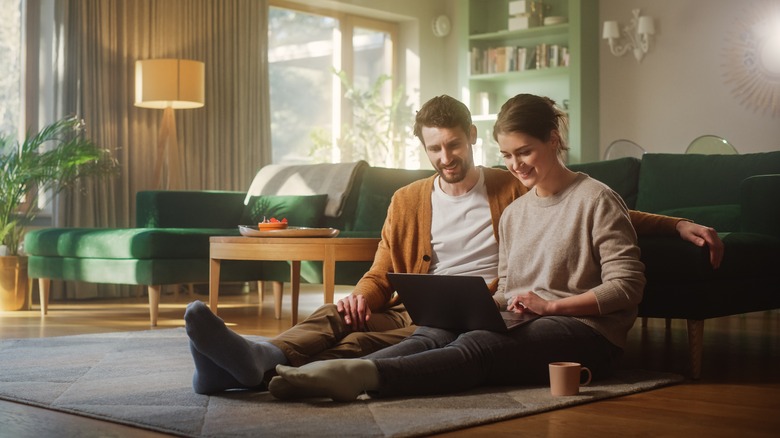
<point>214,265</point>
<point>278,295</point>
<point>295,283</point>
<point>329,278</point>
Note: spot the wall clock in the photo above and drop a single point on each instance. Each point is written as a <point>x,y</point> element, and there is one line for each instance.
<point>752,59</point>
<point>441,26</point>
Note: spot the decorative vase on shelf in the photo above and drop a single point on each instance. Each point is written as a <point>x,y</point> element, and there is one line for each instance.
<point>15,285</point>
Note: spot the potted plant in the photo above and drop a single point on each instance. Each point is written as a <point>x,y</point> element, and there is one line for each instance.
<point>45,162</point>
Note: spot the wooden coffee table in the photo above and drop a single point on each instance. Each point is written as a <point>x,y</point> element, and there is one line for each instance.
<point>329,250</point>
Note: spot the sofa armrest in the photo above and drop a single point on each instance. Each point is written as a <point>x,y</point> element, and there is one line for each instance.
<point>760,199</point>
<point>189,209</point>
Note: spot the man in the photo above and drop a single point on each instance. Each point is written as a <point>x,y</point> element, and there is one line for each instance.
<point>445,224</point>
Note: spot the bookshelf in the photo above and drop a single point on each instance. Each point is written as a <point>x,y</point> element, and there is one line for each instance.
<point>494,76</point>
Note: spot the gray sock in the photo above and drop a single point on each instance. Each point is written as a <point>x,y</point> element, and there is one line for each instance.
<point>246,361</point>
<point>209,378</point>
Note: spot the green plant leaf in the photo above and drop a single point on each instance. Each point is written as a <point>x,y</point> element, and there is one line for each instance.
<point>50,160</point>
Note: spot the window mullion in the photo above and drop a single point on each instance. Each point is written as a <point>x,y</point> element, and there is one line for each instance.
<point>346,24</point>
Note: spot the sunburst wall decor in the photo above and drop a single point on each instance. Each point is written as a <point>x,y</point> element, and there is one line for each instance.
<point>752,58</point>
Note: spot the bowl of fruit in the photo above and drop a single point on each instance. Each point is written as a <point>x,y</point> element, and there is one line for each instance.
<point>272,224</point>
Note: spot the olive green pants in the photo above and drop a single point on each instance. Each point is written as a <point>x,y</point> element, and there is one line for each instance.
<point>324,335</point>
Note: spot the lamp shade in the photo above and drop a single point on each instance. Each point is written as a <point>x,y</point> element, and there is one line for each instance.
<point>646,26</point>
<point>175,83</point>
<point>611,30</point>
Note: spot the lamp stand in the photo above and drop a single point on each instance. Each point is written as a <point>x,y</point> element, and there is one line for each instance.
<point>167,152</point>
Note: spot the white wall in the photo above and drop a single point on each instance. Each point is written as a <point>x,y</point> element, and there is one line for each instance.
<point>679,91</point>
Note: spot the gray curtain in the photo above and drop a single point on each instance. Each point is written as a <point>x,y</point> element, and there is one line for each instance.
<point>222,145</point>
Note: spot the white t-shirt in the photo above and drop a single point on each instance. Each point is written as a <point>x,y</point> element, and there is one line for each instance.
<point>462,233</point>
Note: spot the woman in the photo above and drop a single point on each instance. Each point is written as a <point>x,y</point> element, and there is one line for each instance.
<point>567,251</point>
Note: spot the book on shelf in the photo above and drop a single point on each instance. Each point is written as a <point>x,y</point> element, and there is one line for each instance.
<point>503,59</point>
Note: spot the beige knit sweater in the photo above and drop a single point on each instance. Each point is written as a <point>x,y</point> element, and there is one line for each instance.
<point>575,241</point>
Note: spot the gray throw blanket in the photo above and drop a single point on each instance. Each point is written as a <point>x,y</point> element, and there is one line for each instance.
<point>334,180</point>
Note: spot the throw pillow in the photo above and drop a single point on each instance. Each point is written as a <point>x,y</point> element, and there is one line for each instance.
<point>300,211</point>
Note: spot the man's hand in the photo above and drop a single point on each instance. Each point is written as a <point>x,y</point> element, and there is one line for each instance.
<point>700,235</point>
<point>355,311</point>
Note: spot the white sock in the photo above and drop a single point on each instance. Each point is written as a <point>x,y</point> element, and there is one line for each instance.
<point>341,379</point>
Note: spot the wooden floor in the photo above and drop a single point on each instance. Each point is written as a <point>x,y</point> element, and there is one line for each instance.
<point>737,396</point>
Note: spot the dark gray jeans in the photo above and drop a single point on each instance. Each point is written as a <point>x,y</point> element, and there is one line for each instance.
<point>437,361</point>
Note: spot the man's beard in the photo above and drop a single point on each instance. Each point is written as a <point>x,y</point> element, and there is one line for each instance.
<point>458,177</point>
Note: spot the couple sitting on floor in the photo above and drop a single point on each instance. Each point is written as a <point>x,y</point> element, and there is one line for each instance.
<point>567,251</point>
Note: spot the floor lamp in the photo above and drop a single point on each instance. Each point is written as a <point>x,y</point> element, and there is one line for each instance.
<point>169,84</point>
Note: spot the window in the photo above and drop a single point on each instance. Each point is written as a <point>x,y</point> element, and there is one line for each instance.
<point>11,68</point>
<point>332,89</point>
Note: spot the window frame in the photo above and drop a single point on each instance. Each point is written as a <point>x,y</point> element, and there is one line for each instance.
<point>348,21</point>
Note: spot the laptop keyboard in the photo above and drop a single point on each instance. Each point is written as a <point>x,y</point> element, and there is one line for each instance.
<point>512,316</point>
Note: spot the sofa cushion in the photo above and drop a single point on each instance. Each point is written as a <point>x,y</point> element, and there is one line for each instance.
<point>621,175</point>
<point>123,243</point>
<point>188,209</point>
<point>670,181</point>
<point>300,211</point>
<point>141,271</point>
<point>378,186</point>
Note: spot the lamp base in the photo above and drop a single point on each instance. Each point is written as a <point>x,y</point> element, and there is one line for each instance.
<point>167,153</point>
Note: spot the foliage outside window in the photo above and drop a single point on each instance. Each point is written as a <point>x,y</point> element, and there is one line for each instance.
<point>356,113</point>
<point>10,67</point>
<point>380,130</point>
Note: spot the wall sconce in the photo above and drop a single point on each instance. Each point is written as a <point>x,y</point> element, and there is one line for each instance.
<point>638,34</point>
<point>169,84</point>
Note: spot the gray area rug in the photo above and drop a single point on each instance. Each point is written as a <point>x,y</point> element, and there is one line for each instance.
<point>143,379</point>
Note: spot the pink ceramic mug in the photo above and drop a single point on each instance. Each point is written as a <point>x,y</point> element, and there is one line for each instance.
<point>566,378</point>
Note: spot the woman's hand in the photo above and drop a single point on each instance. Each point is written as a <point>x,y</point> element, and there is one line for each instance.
<point>528,302</point>
<point>355,311</point>
<point>583,304</point>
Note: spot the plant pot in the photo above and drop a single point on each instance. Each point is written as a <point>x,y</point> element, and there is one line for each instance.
<point>14,283</point>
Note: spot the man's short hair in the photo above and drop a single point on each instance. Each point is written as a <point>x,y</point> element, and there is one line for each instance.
<point>442,112</point>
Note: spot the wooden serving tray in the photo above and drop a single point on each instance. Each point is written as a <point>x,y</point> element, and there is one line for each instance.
<point>253,231</point>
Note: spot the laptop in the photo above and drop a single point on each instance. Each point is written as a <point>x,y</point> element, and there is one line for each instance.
<point>453,302</point>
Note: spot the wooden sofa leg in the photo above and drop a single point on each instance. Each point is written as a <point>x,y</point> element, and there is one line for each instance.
<point>260,292</point>
<point>644,322</point>
<point>696,345</point>
<point>44,289</point>
<point>278,289</point>
<point>154,302</point>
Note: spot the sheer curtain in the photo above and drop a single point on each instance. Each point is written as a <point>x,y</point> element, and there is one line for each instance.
<point>222,145</point>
